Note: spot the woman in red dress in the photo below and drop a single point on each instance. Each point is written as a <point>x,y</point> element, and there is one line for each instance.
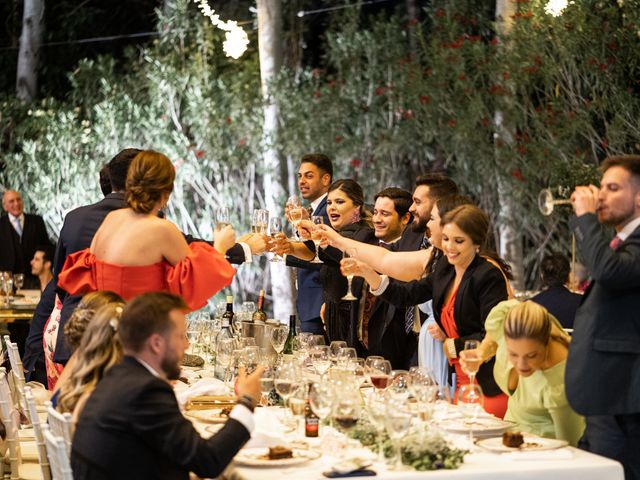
<point>134,251</point>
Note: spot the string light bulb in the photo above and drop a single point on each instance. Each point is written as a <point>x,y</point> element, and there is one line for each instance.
<point>236,39</point>
<point>556,7</point>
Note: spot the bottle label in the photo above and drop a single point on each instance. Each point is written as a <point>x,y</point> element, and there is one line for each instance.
<point>311,426</point>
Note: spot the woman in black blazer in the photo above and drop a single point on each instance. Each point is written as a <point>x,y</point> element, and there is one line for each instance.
<point>463,289</point>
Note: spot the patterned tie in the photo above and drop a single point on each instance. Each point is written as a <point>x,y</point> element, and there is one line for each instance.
<point>410,314</point>
<point>17,226</point>
<point>615,242</point>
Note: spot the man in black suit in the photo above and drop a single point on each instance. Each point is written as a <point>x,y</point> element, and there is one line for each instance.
<point>314,177</point>
<point>555,297</point>
<point>603,367</point>
<point>20,234</point>
<point>131,426</point>
<point>385,324</point>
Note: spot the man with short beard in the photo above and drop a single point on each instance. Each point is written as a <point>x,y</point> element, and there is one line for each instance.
<point>602,375</point>
<point>429,188</point>
<point>131,426</point>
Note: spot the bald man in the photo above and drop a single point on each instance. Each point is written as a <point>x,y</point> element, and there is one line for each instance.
<point>20,235</point>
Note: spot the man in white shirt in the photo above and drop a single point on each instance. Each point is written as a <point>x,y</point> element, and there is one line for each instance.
<point>131,426</point>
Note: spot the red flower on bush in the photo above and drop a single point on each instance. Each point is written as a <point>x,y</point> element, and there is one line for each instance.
<point>380,91</point>
<point>199,153</point>
<point>505,76</point>
<point>462,77</point>
<point>517,174</point>
<point>355,162</point>
<point>339,138</point>
<point>228,120</point>
<point>494,41</point>
<point>523,15</point>
<point>485,121</point>
<point>425,99</point>
<point>441,13</point>
<point>242,142</point>
<point>317,94</point>
<point>452,123</point>
<point>408,115</point>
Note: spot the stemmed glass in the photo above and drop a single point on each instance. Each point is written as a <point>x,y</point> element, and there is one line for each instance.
<point>250,358</point>
<point>349,255</point>
<point>224,355</point>
<point>335,347</point>
<point>345,356</point>
<point>399,384</point>
<point>378,370</point>
<point>471,403</point>
<point>321,359</point>
<point>260,221</point>
<point>297,402</point>
<point>316,236</point>
<point>377,410</point>
<point>223,217</point>
<point>286,379</point>
<point>193,333</point>
<point>18,280</point>
<point>266,384</point>
<point>294,210</point>
<point>321,397</point>
<point>7,286</point>
<point>346,408</point>
<point>472,359</point>
<point>279,337</point>
<point>275,228</point>
<point>397,422</point>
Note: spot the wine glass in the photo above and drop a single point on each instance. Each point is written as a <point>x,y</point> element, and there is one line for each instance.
<point>286,379</point>
<point>470,403</point>
<point>193,333</point>
<point>250,358</point>
<point>346,355</point>
<point>335,347</point>
<point>321,396</point>
<point>321,359</point>
<point>223,218</point>
<point>378,370</point>
<point>7,286</point>
<point>399,383</point>
<point>346,407</point>
<point>316,236</point>
<point>377,410</point>
<point>18,280</point>
<point>317,340</point>
<point>275,228</point>
<point>294,212</point>
<point>397,422</point>
<point>278,337</point>
<point>260,221</point>
<point>266,384</point>
<point>224,355</point>
<point>472,360</point>
<point>349,254</point>
<point>297,402</point>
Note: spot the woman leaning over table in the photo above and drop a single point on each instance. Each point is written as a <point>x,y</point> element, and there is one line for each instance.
<point>464,289</point>
<point>345,208</point>
<point>530,349</point>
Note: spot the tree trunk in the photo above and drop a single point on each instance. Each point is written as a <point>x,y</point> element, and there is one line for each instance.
<point>29,53</point>
<point>270,49</point>
<point>510,244</point>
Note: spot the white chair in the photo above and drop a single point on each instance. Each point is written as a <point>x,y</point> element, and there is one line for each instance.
<point>37,428</point>
<point>17,375</point>
<point>60,425</point>
<point>11,419</point>
<point>57,453</point>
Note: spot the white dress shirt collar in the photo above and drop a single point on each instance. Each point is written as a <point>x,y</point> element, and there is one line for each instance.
<point>148,367</point>
<point>316,202</point>
<point>628,229</point>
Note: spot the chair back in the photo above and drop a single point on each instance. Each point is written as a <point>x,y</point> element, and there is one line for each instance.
<point>17,375</point>
<point>37,430</point>
<point>10,424</point>
<point>57,453</point>
<point>60,425</point>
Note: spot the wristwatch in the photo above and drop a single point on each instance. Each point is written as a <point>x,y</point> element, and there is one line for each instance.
<point>248,401</point>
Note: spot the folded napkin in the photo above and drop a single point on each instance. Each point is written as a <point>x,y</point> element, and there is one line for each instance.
<point>261,439</point>
<point>558,454</point>
<point>204,386</point>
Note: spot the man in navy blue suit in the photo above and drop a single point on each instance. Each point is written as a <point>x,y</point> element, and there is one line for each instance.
<point>314,177</point>
<point>603,367</point>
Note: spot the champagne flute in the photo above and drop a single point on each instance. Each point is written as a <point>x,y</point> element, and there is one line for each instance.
<point>472,360</point>
<point>316,236</point>
<point>18,280</point>
<point>222,217</point>
<point>275,228</point>
<point>7,287</point>
<point>260,221</point>
<point>294,212</point>
<point>349,254</point>
<point>471,404</point>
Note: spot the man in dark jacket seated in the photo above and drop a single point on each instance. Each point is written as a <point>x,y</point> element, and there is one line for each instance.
<point>555,297</point>
<point>131,426</point>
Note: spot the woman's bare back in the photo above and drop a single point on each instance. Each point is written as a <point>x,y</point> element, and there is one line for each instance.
<point>133,239</point>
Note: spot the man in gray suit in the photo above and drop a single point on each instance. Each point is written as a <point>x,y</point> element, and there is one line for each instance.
<point>603,367</point>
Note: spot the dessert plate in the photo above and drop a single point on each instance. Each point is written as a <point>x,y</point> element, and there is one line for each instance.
<point>532,443</point>
<point>258,457</point>
<point>483,426</point>
<point>207,416</point>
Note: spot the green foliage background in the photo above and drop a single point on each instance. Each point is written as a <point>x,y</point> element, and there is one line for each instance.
<point>567,90</point>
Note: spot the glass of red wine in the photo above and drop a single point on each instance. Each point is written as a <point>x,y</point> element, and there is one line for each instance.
<point>346,408</point>
<point>378,370</point>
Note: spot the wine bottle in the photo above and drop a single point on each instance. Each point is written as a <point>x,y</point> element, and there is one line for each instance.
<point>288,344</point>
<point>259,316</point>
<point>311,422</point>
<point>224,333</point>
<point>228,314</point>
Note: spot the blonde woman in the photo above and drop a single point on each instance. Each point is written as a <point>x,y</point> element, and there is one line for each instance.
<point>99,350</point>
<point>531,349</point>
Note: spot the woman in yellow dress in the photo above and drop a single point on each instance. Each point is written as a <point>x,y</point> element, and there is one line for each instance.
<point>531,349</point>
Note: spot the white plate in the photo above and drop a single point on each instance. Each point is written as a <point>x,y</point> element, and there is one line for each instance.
<point>255,457</point>
<point>483,426</point>
<point>207,416</point>
<point>532,443</point>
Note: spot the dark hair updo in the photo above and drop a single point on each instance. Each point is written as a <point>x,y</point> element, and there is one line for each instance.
<point>150,176</point>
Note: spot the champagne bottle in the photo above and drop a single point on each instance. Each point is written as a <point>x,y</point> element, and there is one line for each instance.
<point>288,344</point>
<point>259,316</point>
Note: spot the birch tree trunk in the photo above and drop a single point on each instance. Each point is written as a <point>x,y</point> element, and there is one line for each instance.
<point>29,53</point>
<point>510,243</point>
<point>270,50</point>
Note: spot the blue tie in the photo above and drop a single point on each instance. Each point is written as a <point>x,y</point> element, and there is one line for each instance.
<point>17,226</point>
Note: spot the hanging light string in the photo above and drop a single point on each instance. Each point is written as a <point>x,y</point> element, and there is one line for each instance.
<point>236,39</point>
<point>304,13</point>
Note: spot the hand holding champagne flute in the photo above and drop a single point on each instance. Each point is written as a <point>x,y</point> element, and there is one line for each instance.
<point>222,218</point>
<point>348,260</point>
<point>316,236</point>
<point>470,359</point>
